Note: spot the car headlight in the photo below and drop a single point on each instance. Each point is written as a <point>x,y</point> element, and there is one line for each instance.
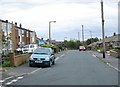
<point>47,58</point>
<point>31,58</point>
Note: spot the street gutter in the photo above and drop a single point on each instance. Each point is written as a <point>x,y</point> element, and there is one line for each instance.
<point>106,63</point>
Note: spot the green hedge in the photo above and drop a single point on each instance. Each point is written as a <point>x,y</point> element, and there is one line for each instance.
<point>6,62</point>
<point>55,48</point>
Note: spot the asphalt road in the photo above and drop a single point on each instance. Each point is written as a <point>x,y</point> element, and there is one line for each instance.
<point>73,68</point>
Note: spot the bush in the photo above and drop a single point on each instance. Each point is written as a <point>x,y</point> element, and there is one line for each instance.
<point>55,48</point>
<point>116,49</point>
<point>6,62</point>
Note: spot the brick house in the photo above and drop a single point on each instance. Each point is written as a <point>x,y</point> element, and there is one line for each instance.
<point>15,36</point>
<point>0,36</point>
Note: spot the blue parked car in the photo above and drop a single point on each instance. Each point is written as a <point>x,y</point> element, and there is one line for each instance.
<point>42,57</point>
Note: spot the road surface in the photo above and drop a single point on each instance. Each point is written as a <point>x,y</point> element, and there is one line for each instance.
<point>73,68</point>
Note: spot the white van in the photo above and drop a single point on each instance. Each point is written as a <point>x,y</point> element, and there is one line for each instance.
<point>29,48</point>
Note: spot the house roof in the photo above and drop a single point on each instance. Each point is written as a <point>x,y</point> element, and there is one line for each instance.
<point>108,39</point>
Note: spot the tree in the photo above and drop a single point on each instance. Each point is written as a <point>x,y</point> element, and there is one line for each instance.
<point>72,44</point>
<point>91,40</point>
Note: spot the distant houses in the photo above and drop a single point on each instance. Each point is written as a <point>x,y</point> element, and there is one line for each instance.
<point>112,41</point>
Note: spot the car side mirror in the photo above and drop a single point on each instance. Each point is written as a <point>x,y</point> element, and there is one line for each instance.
<point>52,53</point>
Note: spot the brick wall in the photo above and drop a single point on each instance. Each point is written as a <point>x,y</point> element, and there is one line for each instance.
<point>19,59</point>
<point>0,35</point>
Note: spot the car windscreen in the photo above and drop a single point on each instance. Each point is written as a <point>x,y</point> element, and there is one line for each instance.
<point>42,51</point>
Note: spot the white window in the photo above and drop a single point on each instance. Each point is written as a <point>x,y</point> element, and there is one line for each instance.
<point>19,32</point>
<point>27,34</point>
<point>4,28</point>
<point>23,33</point>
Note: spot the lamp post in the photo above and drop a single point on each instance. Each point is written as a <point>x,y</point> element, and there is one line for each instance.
<point>103,35</point>
<point>50,30</point>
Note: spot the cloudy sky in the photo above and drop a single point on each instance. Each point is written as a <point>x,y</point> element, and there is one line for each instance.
<point>69,15</point>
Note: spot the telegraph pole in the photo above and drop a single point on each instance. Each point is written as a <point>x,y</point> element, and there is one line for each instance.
<point>91,35</point>
<point>103,35</point>
<point>82,34</point>
<point>78,36</point>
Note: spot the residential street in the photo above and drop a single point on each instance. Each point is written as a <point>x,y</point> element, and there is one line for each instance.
<point>73,68</point>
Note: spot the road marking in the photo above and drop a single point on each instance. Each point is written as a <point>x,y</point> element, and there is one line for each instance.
<point>57,58</point>
<point>108,64</point>
<point>2,80</point>
<point>20,77</point>
<point>15,80</point>
<point>35,71</point>
<point>8,83</point>
<point>94,55</point>
<point>62,55</point>
<point>113,67</point>
<point>9,78</point>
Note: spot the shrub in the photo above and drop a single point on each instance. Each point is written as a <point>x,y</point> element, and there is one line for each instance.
<point>55,48</point>
<point>6,62</point>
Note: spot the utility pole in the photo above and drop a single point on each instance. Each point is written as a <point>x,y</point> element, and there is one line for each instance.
<point>91,35</point>
<point>82,34</point>
<point>103,35</point>
<point>78,36</point>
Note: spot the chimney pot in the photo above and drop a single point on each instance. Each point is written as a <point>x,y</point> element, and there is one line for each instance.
<point>6,21</point>
<point>114,34</point>
<point>15,23</point>
<point>20,25</point>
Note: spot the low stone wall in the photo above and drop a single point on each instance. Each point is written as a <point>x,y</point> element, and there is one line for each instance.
<point>19,59</point>
<point>115,54</point>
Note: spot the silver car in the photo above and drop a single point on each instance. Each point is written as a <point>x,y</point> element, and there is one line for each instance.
<point>42,57</point>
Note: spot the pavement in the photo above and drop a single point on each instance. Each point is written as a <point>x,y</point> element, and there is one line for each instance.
<point>109,60</point>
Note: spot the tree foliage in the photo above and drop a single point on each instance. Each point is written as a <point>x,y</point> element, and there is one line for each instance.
<point>72,44</point>
<point>91,40</point>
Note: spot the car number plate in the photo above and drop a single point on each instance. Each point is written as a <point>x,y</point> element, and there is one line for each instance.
<point>38,61</point>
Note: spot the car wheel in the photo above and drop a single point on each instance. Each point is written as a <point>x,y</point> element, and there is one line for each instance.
<point>30,65</point>
<point>50,64</point>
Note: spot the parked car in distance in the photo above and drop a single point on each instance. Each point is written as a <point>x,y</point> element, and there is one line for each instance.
<point>42,57</point>
<point>82,48</point>
<point>28,48</point>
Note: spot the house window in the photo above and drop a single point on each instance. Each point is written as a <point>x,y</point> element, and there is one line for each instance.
<point>4,28</point>
<point>19,32</point>
<point>9,28</point>
<point>27,34</point>
<point>23,33</point>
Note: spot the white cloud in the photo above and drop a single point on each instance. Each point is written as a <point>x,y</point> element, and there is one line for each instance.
<point>69,16</point>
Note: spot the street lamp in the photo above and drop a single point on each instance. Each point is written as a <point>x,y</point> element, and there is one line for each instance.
<point>50,30</point>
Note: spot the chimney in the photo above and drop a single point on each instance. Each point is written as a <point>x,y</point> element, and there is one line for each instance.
<point>6,21</point>
<point>15,23</point>
<point>114,34</point>
<point>20,25</point>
